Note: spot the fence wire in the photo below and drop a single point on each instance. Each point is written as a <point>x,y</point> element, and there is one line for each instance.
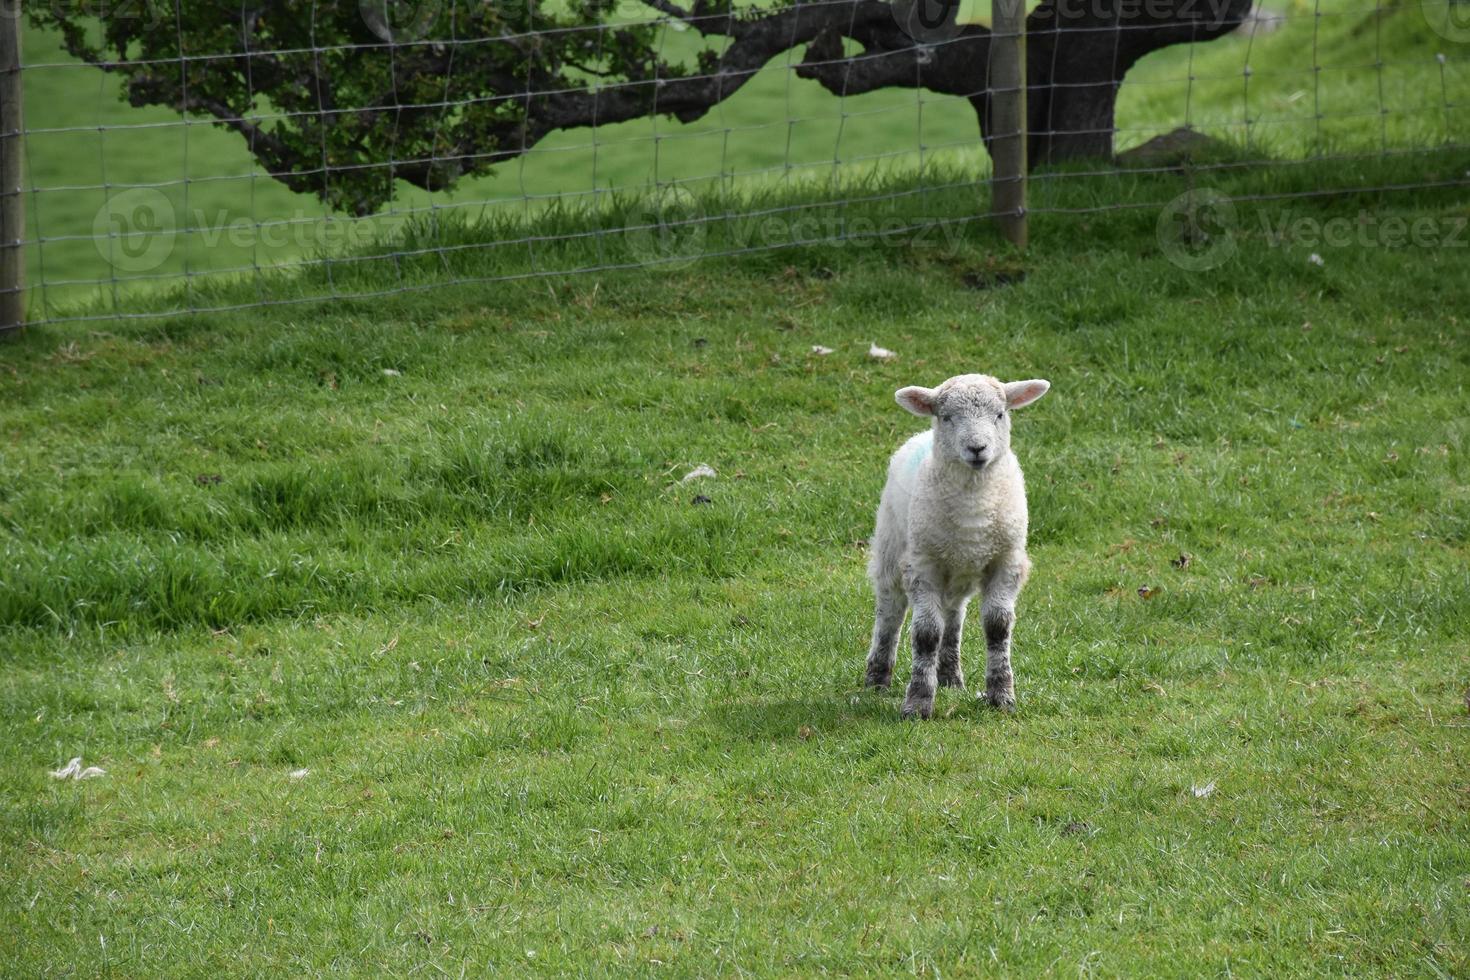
<point>193,161</point>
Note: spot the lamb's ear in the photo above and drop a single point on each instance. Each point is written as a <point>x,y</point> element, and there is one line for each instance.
<point>918,400</point>
<point>1020,393</point>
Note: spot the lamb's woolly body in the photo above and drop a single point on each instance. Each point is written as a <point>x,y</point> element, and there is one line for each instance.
<point>952,522</point>
<point>947,512</point>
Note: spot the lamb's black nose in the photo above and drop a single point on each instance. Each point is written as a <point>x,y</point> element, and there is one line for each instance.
<point>975,450</point>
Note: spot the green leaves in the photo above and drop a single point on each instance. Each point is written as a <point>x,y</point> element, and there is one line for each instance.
<point>341,100</point>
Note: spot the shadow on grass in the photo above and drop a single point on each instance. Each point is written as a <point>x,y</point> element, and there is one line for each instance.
<point>836,710</point>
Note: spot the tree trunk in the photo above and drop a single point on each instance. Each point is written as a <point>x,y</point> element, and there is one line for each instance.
<point>1076,60</point>
<point>1072,90</point>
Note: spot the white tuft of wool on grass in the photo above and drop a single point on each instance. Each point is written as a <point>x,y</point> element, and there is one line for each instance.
<point>73,770</point>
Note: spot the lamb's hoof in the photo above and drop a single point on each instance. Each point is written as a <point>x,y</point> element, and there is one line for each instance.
<point>1000,700</point>
<point>956,679</point>
<point>878,679</point>
<point>918,706</point>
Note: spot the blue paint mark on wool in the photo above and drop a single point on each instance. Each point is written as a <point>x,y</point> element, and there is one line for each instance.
<point>916,459</point>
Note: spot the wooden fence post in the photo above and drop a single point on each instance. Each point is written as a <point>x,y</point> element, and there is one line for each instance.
<point>12,202</point>
<point>1008,117</point>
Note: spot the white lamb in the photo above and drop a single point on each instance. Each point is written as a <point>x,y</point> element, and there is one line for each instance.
<point>952,522</point>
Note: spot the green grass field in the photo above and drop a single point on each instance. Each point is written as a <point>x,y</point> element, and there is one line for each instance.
<point>405,650</point>
<point>556,718</point>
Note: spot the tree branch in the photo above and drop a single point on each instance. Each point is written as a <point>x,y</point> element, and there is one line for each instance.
<point>755,42</point>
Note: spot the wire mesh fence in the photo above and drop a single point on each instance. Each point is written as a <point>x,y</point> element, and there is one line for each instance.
<point>215,156</point>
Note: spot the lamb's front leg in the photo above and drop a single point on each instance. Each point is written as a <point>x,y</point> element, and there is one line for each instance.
<point>950,672</point>
<point>998,612</point>
<point>927,630</point>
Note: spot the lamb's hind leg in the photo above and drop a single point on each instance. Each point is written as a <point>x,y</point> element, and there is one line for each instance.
<point>950,673</point>
<point>888,616</point>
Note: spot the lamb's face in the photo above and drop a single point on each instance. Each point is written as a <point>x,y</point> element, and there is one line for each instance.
<point>972,415</point>
<point>971,424</point>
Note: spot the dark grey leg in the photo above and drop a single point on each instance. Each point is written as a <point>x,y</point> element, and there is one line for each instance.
<point>1000,683</point>
<point>950,673</point>
<point>887,621</point>
<point>998,613</point>
<point>927,630</point>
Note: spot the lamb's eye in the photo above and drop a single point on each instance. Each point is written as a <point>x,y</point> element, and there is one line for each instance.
<point>946,418</point>
<point>1000,416</point>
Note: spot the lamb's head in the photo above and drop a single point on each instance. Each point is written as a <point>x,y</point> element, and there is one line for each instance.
<point>972,415</point>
